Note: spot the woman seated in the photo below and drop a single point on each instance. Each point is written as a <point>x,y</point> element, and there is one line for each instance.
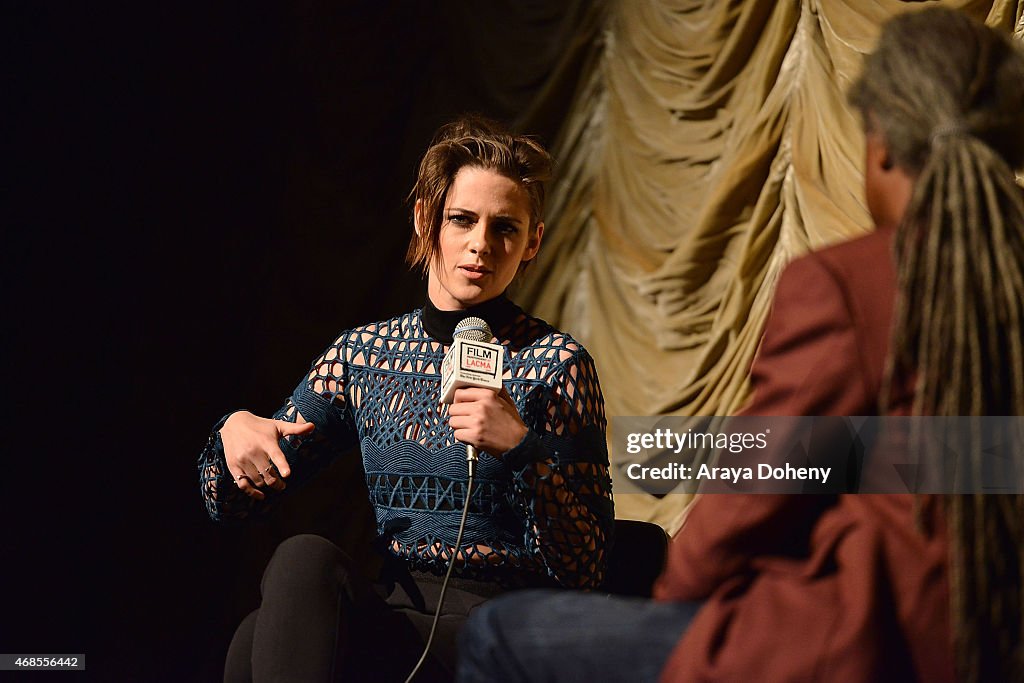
<point>539,508</point>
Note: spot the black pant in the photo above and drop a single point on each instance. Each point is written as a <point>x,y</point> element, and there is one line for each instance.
<point>320,620</point>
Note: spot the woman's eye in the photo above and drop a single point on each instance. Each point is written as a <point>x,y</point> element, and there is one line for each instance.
<point>507,229</point>
<point>460,219</point>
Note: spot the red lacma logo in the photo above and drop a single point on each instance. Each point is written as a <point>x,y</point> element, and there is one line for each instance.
<point>478,358</point>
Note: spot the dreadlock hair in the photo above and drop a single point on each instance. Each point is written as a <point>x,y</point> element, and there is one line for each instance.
<point>947,95</point>
<point>476,142</point>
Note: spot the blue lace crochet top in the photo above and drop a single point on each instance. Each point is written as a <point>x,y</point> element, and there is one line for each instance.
<point>543,508</point>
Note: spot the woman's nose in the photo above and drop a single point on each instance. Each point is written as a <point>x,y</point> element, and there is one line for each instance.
<point>478,242</point>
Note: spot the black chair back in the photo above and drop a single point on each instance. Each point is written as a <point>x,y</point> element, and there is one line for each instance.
<point>636,558</point>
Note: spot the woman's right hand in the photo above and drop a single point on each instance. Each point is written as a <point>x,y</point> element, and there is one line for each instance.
<point>252,453</point>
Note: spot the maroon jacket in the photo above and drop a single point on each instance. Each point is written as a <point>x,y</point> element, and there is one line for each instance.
<point>814,588</point>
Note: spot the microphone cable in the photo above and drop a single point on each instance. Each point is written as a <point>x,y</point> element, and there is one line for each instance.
<point>471,465</point>
<point>470,329</point>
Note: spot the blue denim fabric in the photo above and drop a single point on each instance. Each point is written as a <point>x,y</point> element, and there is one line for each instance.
<point>544,635</point>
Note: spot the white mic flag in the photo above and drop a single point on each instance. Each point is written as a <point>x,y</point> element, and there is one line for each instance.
<point>472,361</point>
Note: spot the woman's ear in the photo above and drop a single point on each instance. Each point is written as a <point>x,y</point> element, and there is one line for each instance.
<point>417,217</point>
<point>533,244</point>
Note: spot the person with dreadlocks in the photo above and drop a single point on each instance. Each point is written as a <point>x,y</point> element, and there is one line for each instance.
<point>922,317</point>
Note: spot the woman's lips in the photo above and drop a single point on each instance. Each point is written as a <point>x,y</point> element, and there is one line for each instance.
<point>474,272</point>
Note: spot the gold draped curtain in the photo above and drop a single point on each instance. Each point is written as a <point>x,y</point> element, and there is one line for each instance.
<point>708,143</point>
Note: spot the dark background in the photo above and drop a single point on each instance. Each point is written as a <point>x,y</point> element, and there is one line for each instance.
<point>197,200</point>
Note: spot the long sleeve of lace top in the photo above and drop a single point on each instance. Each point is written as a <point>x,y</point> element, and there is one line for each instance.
<point>562,485</point>
<point>318,399</point>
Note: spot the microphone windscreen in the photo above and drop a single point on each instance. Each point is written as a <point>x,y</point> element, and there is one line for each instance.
<point>473,329</point>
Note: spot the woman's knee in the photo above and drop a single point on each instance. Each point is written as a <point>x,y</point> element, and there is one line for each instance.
<point>306,562</point>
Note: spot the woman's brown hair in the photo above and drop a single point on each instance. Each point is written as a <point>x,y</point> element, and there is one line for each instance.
<point>947,95</point>
<point>477,142</point>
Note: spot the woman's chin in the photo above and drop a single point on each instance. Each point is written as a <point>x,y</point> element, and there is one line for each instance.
<point>463,297</point>
<point>469,299</point>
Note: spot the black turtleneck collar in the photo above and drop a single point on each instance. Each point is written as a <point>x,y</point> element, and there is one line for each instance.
<point>498,312</point>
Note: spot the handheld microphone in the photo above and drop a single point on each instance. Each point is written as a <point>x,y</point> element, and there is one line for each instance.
<point>472,361</point>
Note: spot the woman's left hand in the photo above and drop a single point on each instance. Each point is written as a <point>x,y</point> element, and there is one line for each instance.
<point>486,419</point>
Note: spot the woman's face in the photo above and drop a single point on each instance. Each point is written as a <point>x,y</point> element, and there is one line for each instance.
<point>485,236</point>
